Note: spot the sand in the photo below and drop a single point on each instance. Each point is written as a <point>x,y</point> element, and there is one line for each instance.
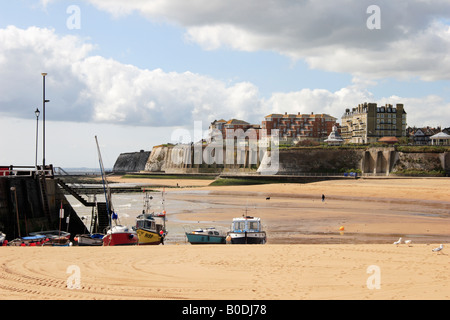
<point>313,261</point>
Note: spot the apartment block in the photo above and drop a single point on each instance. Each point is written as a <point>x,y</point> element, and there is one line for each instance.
<point>297,127</point>
<point>367,123</point>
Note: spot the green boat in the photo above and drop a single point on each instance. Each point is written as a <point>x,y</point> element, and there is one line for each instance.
<point>209,235</point>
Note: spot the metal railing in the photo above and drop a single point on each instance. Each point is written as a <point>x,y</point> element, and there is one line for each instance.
<point>25,171</point>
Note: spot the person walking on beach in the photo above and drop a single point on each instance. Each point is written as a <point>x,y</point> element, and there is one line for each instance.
<point>323,197</point>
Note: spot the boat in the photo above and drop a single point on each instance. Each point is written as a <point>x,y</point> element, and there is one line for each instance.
<point>209,235</point>
<point>120,235</point>
<point>29,241</point>
<point>54,237</point>
<point>151,227</point>
<point>246,230</point>
<point>117,234</point>
<point>94,239</point>
<point>3,241</point>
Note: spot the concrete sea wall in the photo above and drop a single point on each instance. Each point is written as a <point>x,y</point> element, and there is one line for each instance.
<point>29,211</point>
<point>294,161</point>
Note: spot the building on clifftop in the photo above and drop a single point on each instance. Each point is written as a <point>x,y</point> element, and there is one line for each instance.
<point>367,123</point>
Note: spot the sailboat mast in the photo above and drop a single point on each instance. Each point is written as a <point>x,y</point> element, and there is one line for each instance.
<point>105,185</point>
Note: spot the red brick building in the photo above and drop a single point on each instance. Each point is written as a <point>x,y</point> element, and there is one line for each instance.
<point>296,127</point>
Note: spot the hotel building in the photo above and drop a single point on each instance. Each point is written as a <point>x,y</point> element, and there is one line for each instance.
<point>367,123</point>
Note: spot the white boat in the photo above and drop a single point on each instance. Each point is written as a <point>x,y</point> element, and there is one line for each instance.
<point>246,230</point>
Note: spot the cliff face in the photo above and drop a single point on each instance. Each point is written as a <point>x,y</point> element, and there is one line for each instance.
<point>157,159</point>
<point>131,162</point>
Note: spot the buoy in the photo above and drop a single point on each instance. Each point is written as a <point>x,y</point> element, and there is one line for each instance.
<point>341,228</point>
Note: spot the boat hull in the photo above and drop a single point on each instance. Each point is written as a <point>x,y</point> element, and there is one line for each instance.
<point>205,239</point>
<point>247,237</point>
<point>147,237</point>
<point>90,240</point>
<point>37,240</point>
<point>120,239</point>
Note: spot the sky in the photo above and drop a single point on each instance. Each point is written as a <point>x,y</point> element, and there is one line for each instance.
<point>134,72</point>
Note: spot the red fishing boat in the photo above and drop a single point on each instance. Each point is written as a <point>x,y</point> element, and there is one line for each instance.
<point>117,235</point>
<point>120,236</point>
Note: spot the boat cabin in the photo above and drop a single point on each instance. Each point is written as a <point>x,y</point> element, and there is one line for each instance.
<point>207,231</point>
<point>246,224</point>
<point>148,222</point>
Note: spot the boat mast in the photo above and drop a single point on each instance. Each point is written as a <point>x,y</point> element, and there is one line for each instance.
<point>105,185</point>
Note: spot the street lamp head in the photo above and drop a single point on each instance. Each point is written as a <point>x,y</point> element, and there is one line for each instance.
<point>37,113</point>
<point>44,74</point>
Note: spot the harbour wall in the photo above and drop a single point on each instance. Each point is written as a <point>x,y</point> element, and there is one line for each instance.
<point>294,161</point>
<point>23,210</point>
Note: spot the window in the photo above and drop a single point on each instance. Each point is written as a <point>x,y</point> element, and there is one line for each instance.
<point>253,225</point>
<point>239,226</point>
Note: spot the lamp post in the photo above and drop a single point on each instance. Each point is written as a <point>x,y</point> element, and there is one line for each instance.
<point>37,113</point>
<point>43,119</point>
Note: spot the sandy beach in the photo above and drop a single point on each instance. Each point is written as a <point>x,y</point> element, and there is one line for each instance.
<point>306,257</point>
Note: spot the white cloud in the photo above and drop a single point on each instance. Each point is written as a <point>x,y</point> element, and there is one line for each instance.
<point>329,35</point>
<point>86,88</point>
<point>89,88</point>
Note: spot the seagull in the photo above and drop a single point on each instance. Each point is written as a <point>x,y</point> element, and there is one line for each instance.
<point>408,242</point>
<point>438,249</point>
<point>398,242</point>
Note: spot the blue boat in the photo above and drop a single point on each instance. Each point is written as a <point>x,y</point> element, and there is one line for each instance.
<point>209,235</point>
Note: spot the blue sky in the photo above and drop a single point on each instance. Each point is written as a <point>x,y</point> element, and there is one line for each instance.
<point>137,70</point>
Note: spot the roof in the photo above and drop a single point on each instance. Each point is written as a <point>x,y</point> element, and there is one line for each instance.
<point>236,121</point>
<point>440,135</point>
<point>388,139</point>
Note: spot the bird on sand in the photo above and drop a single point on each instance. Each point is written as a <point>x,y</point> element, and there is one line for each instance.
<point>438,249</point>
<point>398,241</point>
<point>408,242</point>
